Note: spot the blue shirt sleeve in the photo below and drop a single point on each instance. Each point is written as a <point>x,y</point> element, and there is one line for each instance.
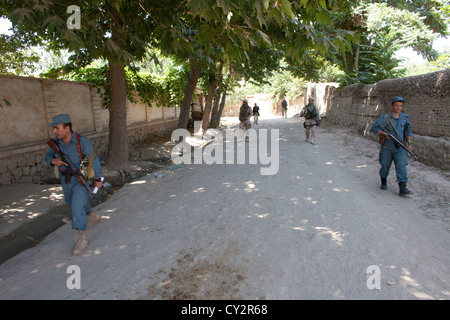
<point>379,124</point>
<point>49,156</point>
<point>408,126</point>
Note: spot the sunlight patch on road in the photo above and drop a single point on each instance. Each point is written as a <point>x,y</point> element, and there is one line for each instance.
<point>336,236</point>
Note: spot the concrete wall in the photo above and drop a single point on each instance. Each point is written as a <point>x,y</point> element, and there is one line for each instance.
<point>34,102</point>
<point>427,102</point>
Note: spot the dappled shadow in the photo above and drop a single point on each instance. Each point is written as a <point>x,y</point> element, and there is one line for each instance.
<point>211,231</point>
<point>24,202</point>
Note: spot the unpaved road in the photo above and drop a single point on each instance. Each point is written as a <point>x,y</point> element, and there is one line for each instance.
<point>225,231</point>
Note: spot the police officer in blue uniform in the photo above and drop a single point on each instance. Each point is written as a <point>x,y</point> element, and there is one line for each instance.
<point>75,195</point>
<point>399,125</point>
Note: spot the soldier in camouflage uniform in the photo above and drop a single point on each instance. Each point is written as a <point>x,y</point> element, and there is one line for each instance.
<point>312,118</point>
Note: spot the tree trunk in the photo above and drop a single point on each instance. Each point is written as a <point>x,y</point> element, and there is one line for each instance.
<point>215,110</point>
<point>118,135</point>
<point>224,96</point>
<point>357,58</point>
<point>208,103</point>
<point>189,91</point>
<point>209,98</point>
<point>222,105</point>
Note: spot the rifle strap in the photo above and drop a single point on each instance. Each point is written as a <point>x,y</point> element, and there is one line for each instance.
<point>79,147</point>
<point>90,164</point>
<point>390,121</point>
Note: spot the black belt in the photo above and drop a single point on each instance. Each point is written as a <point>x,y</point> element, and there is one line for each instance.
<point>67,175</point>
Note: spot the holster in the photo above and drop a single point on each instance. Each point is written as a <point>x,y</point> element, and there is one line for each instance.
<point>382,139</point>
<point>67,175</point>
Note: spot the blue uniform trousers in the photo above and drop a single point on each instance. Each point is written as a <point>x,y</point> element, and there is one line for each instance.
<point>391,153</point>
<point>76,196</point>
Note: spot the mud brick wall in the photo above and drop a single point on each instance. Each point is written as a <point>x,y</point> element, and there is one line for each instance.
<point>427,102</point>
<point>24,128</point>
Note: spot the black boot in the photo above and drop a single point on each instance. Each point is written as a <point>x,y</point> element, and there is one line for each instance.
<point>403,190</point>
<point>383,184</point>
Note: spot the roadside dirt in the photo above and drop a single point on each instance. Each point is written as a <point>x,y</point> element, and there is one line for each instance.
<point>224,231</point>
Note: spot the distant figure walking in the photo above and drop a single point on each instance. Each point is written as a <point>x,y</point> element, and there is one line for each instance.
<point>245,113</point>
<point>312,118</point>
<point>284,106</point>
<point>256,113</point>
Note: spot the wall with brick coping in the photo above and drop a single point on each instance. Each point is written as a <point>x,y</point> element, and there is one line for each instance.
<point>24,128</point>
<point>427,102</point>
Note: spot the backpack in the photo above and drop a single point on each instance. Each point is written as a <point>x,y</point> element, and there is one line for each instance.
<point>244,113</point>
<point>310,112</point>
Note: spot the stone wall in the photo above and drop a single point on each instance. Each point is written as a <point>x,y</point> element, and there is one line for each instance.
<point>427,102</point>
<point>24,130</point>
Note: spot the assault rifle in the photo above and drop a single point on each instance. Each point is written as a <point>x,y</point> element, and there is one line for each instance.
<point>71,169</point>
<point>400,143</point>
<point>311,125</point>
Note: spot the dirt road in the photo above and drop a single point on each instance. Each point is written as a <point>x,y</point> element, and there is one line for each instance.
<point>318,229</point>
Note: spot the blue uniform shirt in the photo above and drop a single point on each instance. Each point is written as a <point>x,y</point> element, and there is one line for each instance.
<point>402,125</point>
<point>71,151</point>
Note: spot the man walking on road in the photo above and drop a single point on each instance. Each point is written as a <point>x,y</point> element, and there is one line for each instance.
<point>284,106</point>
<point>399,125</point>
<point>256,113</point>
<point>245,113</point>
<point>74,146</point>
<point>312,118</point>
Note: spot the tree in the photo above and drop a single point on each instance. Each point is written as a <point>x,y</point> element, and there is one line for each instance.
<point>384,27</point>
<point>120,32</point>
<point>240,29</point>
<point>117,31</point>
<point>15,58</point>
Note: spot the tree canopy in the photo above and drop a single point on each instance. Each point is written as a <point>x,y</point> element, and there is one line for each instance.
<point>217,41</point>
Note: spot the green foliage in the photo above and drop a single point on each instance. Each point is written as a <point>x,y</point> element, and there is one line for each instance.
<point>163,89</point>
<point>403,28</point>
<point>278,85</point>
<point>385,27</point>
<point>442,62</point>
<point>15,57</point>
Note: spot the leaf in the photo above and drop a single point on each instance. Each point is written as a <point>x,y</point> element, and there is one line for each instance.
<point>19,14</point>
<point>6,102</point>
<point>53,23</point>
<point>224,5</point>
<point>286,8</point>
<point>323,4</point>
<point>260,16</point>
<point>304,3</point>
<point>265,37</point>
<point>276,14</point>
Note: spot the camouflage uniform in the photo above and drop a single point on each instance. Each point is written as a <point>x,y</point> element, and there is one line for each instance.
<point>245,113</point>
<point>312,119</point>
